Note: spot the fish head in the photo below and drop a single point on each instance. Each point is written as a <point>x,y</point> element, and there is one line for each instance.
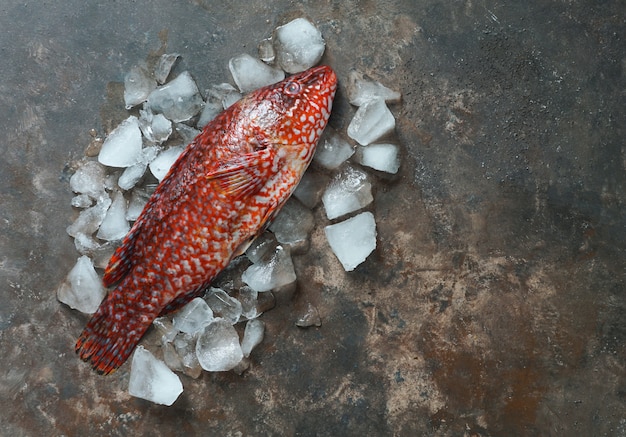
<point>295,111</point>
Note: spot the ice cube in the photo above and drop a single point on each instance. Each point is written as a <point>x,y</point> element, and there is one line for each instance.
<point>137,86</point>
<point>224,305</point>
<point>311,317</point>
<point>162,163</point>
<point>361,89</point>
<point>298,45</point>
<point>249,300</point>
<point>261,246</point>
<point>373,120</point>
<point>152,380</point>
<point>114,226</point>
<point>218,347</point>
<point>166,328</point>
<point>155,127</point>
<point>211,109</point>
<point>309,190</point>
<point>293,223</point>
<point>185,345</point>
<point>273,271</point>
<point>352,240</point>
<point>266,51</point>
<point>82,290</point>
<point>332,150</point>
<point>149,153</point>
<point>102,255</point>
<point>187,133</point>
<point>89,220</point>
<point>193,316</point>
<point>178,100</point>
<point>85,244</point>
<point>252,336</point>
<point>349,191</point>
<point>382,157</point>
<point>82,201</point>
<point>89,179</point>
<point>251,73</point>
<point>131,175</point>
<point>122,148</point>
<point>138,201</point>
<point>164,66</point>
<point>171,357</point>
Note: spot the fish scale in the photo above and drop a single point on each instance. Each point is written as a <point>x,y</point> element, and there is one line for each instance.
<point>218,196</point>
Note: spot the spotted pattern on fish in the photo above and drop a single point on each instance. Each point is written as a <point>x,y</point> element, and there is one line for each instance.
<point>217,197</point>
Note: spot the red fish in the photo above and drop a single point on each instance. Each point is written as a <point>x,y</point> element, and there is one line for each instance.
<point>217,197</point>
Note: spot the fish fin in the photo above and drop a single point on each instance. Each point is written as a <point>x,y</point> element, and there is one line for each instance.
<point>120,263</point>
<point>114,330</point>
<point>246,174</point>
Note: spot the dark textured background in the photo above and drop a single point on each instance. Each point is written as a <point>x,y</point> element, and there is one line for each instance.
<point>494,303</point>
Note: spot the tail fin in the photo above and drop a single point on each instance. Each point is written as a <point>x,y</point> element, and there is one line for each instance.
<point>113,332</point>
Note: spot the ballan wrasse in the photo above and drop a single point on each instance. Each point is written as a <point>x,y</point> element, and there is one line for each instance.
<point>217,197</point>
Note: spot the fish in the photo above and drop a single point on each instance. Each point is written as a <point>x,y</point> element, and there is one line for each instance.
<point>218,196</point>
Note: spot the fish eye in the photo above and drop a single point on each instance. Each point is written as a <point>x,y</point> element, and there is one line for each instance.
<point>292,88</point>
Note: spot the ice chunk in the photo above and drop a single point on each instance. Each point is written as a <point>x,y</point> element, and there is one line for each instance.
<point>352,240</point>
<point>251,73</point>
<point>187,133</point>
<point>373,120</point>
<point>131,175</point>
<point>166,328</point>
<point>178,100</point>
<point>102,255</point>
<point>309,190</point>
<point>114,226</point>
<point>122,148</point>
<point>332,150</point>
<point>150,379</point>
<point>249,300</point>
<point>85,244</point>
<point>311,317</point>
<point>185,345</point>
<point>218,347</point>
<point>224,305</point>
<point>171,357</point>
<point>293,223</point>
<point>162,163</point>
<point>89,179</point>
<point>298,45</point>
<point>89,220</point>
<point>149,153</point>
<point>271,272</point>
<point>138,201</point>
<point>83,288</point>
<point>193,316</point>
<point>137,86</point>
<point>226,93</point>
<point>211,109</point>
<point>252,336</point>
<point>82,201</point>
<point>349,191</point>
<point>164,66</point>
<point>266,51</point>
<point>261,246</point>
<point>382,157</point>
<point>362,89</point>
<point>155,127</point>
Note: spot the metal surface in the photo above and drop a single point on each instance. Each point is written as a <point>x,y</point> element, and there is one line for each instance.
<point>494,303</point>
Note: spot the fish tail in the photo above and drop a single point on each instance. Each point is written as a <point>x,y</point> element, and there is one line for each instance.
<point>112,333</point>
